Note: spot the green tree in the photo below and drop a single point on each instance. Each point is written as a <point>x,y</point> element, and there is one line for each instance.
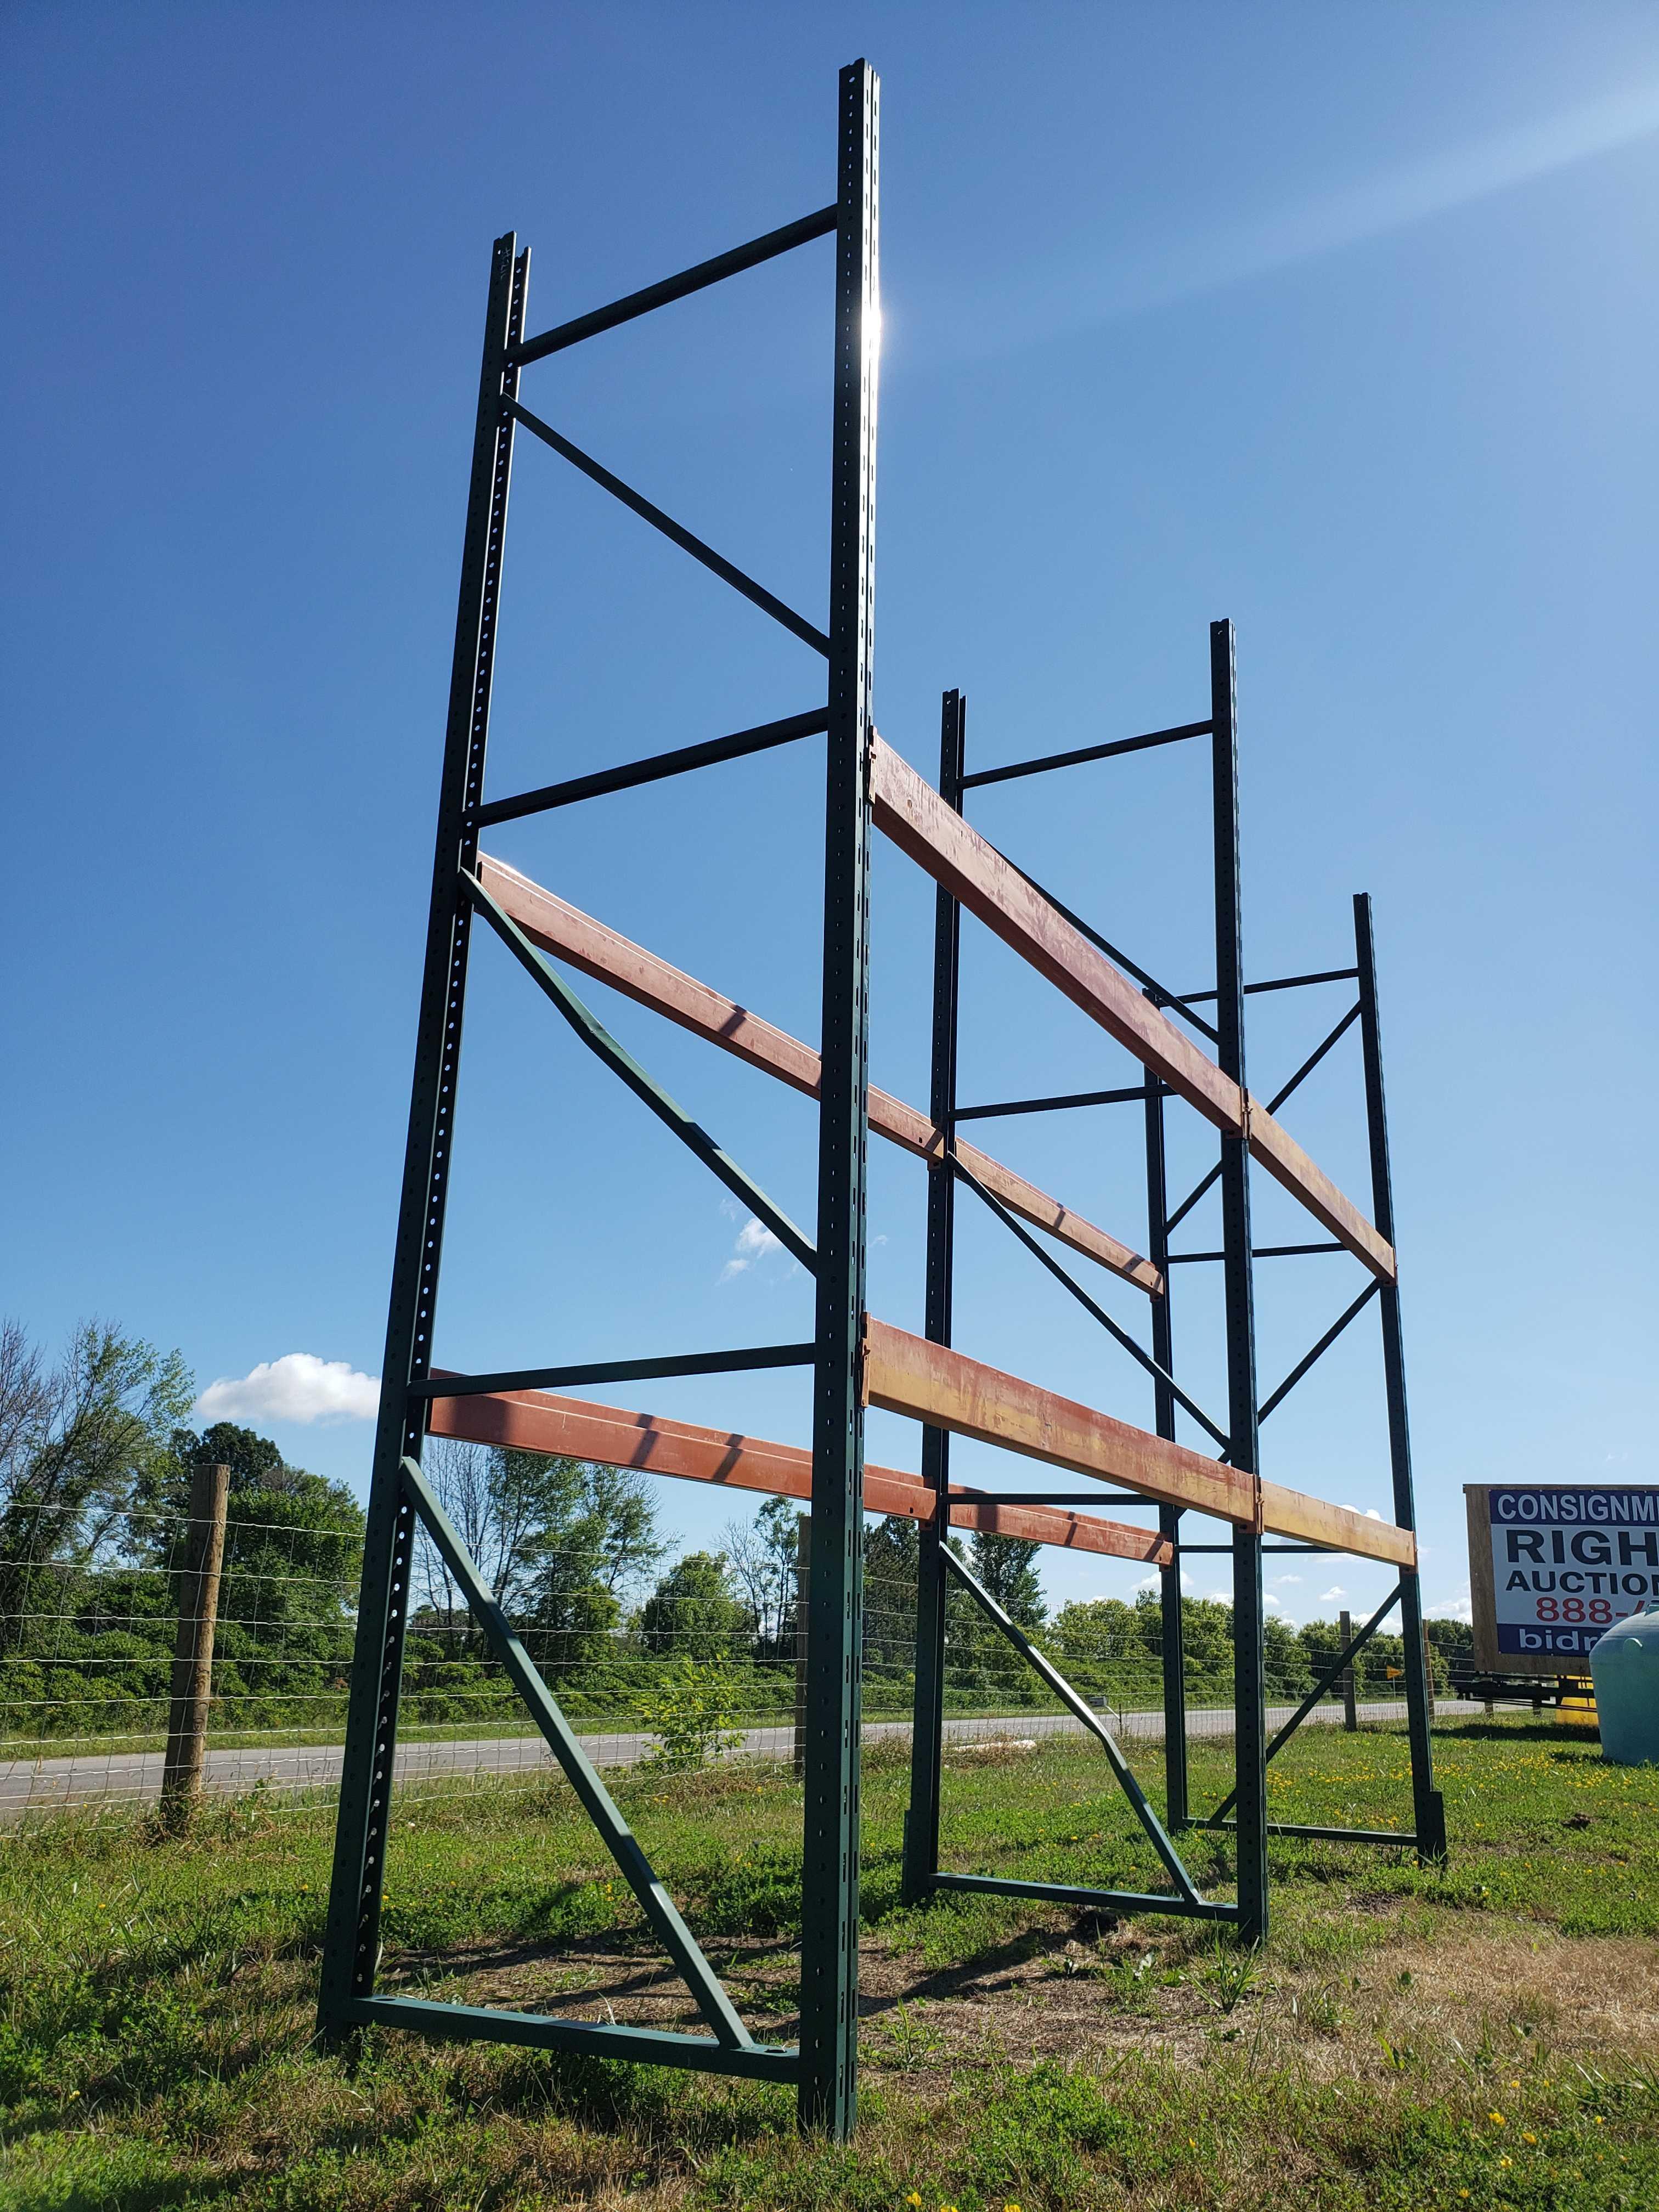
<point>892,1555</point>
<point>79,1444</point>
<point>292,1555</point>
<point>694,1613</point>
<point>1096,1630</point>
<point>1005,1567</point>
<point>558,1540</point>
<point>762,1554</point>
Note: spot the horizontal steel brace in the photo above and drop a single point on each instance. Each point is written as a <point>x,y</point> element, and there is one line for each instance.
<point>1269,1551</point>
<point>1121,1097</point>
<point>1059,1497</point>
<point>1388,1836</point>
<point>1289,983</point>
<point>1061,1892</point>
<point>740,1362</point>
<point>656,2047</point>
<point>784,239</point>
<point>1086,753</point>
<point>632,774</point>
<point>1261,1252</point>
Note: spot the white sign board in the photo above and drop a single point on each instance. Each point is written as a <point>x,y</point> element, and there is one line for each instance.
<point>1549,1570</point>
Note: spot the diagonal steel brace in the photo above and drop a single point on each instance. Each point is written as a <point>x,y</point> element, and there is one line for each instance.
<point>1082,1710</point>
<point>617,1057</point>
<point>596,1801</point>
<point>1343,1660</point>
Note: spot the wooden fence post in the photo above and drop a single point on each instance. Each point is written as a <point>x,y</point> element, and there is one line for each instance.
<point>803,1586</point>
<point>192,1656</point>
<point>1349,1710</point>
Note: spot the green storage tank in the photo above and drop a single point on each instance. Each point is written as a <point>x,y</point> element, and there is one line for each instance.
<point>1625,1664</point>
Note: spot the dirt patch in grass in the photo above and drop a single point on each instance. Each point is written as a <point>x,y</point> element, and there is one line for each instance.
<point>1068,1987</point>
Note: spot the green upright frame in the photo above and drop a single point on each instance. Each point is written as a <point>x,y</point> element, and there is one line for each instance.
<point>824,2069</point>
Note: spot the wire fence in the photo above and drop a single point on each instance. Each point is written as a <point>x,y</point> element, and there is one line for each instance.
<point>701,1667</point>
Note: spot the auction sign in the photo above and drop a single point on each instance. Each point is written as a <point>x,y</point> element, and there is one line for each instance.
<point>1549,1570</point>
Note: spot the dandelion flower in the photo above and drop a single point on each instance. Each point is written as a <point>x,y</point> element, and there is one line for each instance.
<point>1526,2138</point>
<point>1498,2119</point>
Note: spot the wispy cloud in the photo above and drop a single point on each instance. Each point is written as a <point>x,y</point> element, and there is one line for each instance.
<point>1058,294</point>
<point>755,1240</point>
<point>1451,1608</point>
<point>298,1386</point>
<point>1331,1595</point>
<point>1283,1581</point>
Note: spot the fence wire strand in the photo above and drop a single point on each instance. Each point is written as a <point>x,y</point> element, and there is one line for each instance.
<point>685,1674</point>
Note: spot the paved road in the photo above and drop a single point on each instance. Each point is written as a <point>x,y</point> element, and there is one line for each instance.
<point>113,1777</point>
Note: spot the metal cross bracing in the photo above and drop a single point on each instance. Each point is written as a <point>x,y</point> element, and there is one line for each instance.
<point>1243,1810</point>
<point>855,1359</point>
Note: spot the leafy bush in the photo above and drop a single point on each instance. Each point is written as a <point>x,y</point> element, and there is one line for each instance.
<point>690,1709</point>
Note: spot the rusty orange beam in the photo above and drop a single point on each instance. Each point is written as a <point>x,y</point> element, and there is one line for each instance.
<point>905,1374</point>
<point>910,811</point>
<point>564,930</point>
<point>571,1428</point>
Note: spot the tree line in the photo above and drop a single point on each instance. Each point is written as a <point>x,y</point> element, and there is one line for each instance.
<point>96,1458</point>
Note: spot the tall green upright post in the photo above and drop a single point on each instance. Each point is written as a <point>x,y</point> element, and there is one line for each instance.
<point>921,1819</point>
<point>1249,1683</point>
<point>1428,1805</point>
<point>1172,1623</point>
<point>353,1910</point>
<point>829,1877</point>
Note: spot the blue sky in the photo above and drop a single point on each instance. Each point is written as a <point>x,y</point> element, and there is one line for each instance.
<point>1340,322</point>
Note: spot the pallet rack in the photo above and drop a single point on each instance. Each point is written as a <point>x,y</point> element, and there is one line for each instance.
<point>856,1360</point>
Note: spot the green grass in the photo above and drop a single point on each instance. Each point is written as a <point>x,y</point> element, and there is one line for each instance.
<point>1410,2039</point>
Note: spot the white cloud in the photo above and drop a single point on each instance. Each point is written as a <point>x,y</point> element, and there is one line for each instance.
<point>1283,1581</point>
<point>1451,1608</point>
<point>1155,1581</point>
<point>755,1241</point>
<point>1371,1513</point>
<point>1331,1595</point>
<point>298,1386</point>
